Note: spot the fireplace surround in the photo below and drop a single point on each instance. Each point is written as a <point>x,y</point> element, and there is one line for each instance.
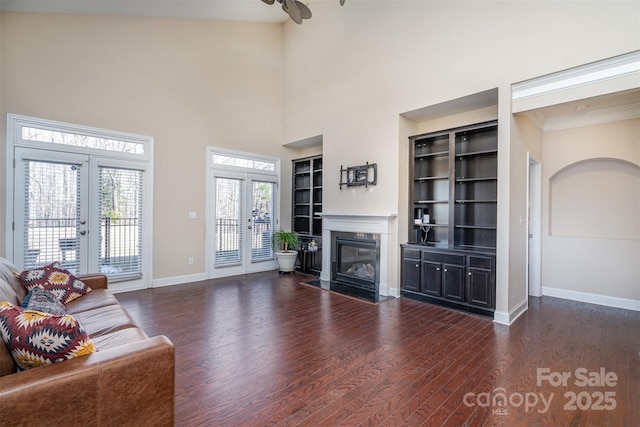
<point>377,225</point>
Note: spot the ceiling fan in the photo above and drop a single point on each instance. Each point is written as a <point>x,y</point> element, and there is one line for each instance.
<point>295,9</point>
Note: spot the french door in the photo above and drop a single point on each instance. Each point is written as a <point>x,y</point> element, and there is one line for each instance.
<point>51,211</point>
<point>242,218</point>
<point>81,210</point>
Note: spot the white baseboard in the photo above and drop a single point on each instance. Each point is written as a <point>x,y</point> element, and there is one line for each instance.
<point>178,280</point>
<point>505,318</point>
<point>626,303</point>
<point>385,290</point>
<point>118,288</point>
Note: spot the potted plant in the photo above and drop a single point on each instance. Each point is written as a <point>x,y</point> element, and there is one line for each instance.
<point>285,243</point>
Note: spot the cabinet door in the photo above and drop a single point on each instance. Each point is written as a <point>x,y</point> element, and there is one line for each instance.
<point>410,274</point>
<point>453,282</point>
<point>479,287</point>
<point>431,278</point>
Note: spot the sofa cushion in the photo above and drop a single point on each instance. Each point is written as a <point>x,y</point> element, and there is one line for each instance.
<point>56,279</point>
<point>7,364</point>
<point>36,339</point>
<point>7,293</point>
<point>8,273</point>
<point>104,320</point>
<point>95,299</point>
<point>43,300</point>
<point>118,338</point>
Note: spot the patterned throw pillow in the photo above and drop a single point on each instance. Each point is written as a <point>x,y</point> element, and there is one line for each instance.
<point>42,300</point>
<point>53,277</point>
<point>36,339</point>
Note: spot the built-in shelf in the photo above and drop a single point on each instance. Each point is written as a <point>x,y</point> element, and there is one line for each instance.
<point>480,227</point>
<point>455,183</point>
<point>476,153</point>
<point>430,178</point>
<point>486,178</point>
<point>439,153</point>
<point>307,210</point>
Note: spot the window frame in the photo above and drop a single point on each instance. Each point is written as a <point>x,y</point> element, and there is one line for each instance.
<point>100,157</point>
<point>216,169</point>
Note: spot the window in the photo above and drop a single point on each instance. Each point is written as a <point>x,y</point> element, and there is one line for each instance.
<point>81,196</point>
<point>80,140</point>
<point>243,162</point>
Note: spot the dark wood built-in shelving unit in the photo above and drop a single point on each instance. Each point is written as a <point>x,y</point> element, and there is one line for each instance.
<point>306,207</point>
<point>450,255</point>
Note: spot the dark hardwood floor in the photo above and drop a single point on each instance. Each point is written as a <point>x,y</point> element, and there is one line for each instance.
<point>263,349</point>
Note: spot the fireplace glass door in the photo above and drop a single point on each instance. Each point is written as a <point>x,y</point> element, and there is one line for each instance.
<point>357,262</point>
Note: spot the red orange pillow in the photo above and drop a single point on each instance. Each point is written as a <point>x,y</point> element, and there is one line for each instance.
<point>35,338</point>
<point>53,277</point>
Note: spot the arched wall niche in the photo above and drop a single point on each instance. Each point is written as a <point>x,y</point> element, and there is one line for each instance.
<point>596,198</point>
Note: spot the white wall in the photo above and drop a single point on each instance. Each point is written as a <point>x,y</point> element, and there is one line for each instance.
<point>591,210</point>
<point>527,138</point>
<point>188,83</point>
<point>351,70</point>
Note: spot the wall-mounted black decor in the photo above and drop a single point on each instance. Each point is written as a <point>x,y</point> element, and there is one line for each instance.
<point>366,175</point>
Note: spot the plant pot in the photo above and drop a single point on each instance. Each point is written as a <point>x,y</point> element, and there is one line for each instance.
<point>286,260</point>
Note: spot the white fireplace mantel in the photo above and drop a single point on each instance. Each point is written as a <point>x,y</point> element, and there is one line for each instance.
<point>357,223</point>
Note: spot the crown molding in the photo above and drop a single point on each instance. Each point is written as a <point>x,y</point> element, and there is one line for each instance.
<point>597,72</point>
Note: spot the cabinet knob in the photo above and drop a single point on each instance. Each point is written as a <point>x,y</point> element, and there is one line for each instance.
<point>445,269</point>
<point>417,265</point>
<point>469,273</point>
<point>437,268</point>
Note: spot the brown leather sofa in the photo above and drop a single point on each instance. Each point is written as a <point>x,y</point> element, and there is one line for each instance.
<point>128,381</point>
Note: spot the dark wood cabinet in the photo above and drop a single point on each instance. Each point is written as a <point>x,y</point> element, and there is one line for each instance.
<point>481,281</point>
<point>453,223</point>
<point>454,277</point>
<point>411,274</point>
<point>431,278</point>
<point>306,207</point>
<point>453,282</point>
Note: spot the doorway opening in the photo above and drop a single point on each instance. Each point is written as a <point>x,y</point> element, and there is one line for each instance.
<point>534,228</point>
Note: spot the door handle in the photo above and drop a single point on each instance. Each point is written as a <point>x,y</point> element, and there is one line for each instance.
<point>83,222</point>
<point>82,232</point>
<point>249,227</point>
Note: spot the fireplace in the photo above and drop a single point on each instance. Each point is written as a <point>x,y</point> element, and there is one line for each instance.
<point>356,260</point>
<point>364,249</point>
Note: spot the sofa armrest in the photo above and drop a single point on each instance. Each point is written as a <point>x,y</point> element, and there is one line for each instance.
<point>95,281</point>
<point>132,384</point>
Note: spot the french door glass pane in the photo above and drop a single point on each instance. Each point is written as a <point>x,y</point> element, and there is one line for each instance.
<point>52,211</point>
<point>262,221</point>
<point>120,231</point>
<point>228,219</point>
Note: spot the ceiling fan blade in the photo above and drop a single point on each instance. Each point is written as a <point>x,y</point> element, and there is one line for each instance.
<point>305,12</point>
<point>291,8</point>
<point>268,1</point>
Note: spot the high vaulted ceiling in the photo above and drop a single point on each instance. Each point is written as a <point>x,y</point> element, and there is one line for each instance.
<point>226,10</point>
